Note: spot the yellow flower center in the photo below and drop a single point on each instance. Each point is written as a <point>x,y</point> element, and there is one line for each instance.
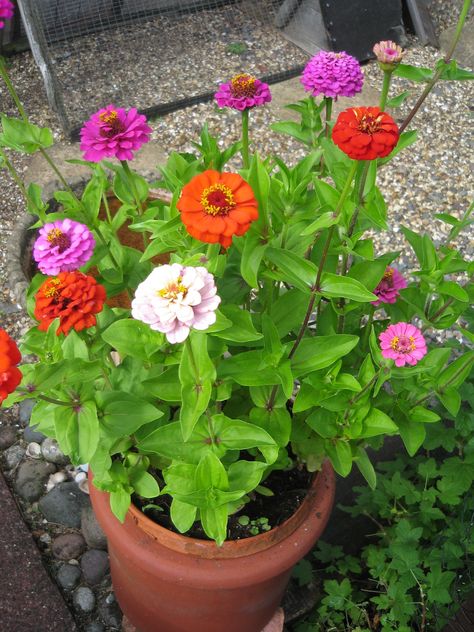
<point>243,85</point>
<point>218,199</point>
<point>109,117</point>
<point>174,290</point>
<point>403,344</point>
<point>57,238</point>
<point>53,288</point>
<point>368,123</point>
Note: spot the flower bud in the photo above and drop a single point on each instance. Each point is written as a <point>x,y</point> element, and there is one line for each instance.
<point>388,54</point>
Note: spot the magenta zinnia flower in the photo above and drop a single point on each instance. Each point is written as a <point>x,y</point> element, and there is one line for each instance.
<point>6,11</point>
<point>389,287</point>
<point>174,299</point>
<point>403,343</point>
<point>243,92</point>
<point>63,246</point>
<point>332,75</point>
<point>114,132</point>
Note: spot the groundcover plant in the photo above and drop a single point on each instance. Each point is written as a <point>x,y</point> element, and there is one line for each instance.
<point>275,337</point>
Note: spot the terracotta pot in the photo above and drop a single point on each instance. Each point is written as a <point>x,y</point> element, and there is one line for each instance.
<point>166,582</point>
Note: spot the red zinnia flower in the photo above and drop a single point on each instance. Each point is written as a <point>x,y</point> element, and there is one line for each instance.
<point>365,133</point>
<point>73,297</point>
<point>214,206</point>
<point>10,376</point>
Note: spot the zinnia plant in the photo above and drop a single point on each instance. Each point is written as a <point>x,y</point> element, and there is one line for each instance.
<point>275,333</point>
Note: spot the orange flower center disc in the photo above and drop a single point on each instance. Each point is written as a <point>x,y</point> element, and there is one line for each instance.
<point>403,344</point>
<point>53,288</point>
<point>388,276</point>
<point>58,238</point>
<point>112,120</point>
<point>217,200</point>
<point>369,124</point>
<point>243,85</point>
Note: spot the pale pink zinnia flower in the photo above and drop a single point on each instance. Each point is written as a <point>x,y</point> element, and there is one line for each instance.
<point>332,75</point>
<point>175,298</point>
<point>403,343</point>
<point>388,52</point>
<point>6,11</point>
<point>243,92</point>
<point>114,132</point>
<point>63,246</point>
<point>389,287</point>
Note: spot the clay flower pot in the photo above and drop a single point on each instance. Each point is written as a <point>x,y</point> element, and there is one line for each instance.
<point>172,583</point>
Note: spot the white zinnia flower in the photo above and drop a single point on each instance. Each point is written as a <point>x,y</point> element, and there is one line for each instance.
<point>175,298</point>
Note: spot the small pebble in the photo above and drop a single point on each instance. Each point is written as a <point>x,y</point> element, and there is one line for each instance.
<point>7,437</point>
<point>33,450</point>
<point>12,456</point>
<point>26,406</point>
<point>83,599</point>
<point>68,576</point>
<point>95,626</point>
<point>95,565</point>
<point>68,546</point>
<point>52,453</point>
<point>31,434</point>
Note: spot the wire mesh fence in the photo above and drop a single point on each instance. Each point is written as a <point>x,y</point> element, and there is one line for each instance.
<point>157,55</point>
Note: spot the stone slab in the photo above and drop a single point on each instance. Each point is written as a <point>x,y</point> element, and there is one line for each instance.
<point>29,600</point>
<point>464,53</point>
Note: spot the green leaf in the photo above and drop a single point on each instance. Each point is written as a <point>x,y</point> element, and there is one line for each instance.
<point>335,286</point>
<point>406,139</point>
<point>245,475</point>
<point>413,73</point>
<point>277,423</point>
<point>366,468</point>
<point>252,255</point>
<point>455,290</point>
<point>123,413</point>
<point>24,136</point>
<point>451,72</point>
<point>423,415</point>
<point>451,400</point>
<point>234,434</point>
<point>197,373</point>
<point>183,515</point>
<point>242,328</point>
<point>377,423</point>
<point>412,433</point>
<point>165,386</point>
<point>291,128</point>
<point>297,270</point>
<point>210,473</point>
<point>132,337</point>
<point>323,221</point>
<point>289,310</point>
<point>168,441</point>
<point>144,484</point>
<point>321,351</point>
<point>119,503</point>
<point>340,453</point>
<point>396,102</point>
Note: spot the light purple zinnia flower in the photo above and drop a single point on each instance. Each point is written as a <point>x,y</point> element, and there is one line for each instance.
<point>6,11</point>
<point>389,287</point>
<point>243,92</point>
<point>403,343</point>
<point>332,75</point>
<point>175,298</point>
<point>114,132</point>
<point>63,246</point>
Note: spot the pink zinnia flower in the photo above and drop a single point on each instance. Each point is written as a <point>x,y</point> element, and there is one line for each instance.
<point>114,132</point>
<point>243,92</point>
<point>333,75</point>
<point>388,288</point>
<point>403,343</point>
<point>175,298</point>
<point>388,52</point>
<point>6,11</point>
<point>63,246</point>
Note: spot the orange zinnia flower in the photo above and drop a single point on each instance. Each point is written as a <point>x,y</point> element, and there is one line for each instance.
<point>214,206</point>
<point>10,376</point>
<point>73,297</point>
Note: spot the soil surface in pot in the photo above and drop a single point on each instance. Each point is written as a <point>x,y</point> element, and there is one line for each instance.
<point>261,514</point>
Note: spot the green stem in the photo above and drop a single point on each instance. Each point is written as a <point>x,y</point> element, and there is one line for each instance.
<point>11,89</point>
<point>107,209</point>
<point>14,175</point>
<point>50,162</point>
<point>447,58</point>
<point>368,328</point>
<point>328,104</point>
<point>131,182</point>
<point>362,392</point>
<point>50,400</point>
<point>317,284</point>
<point>387,77</point>
<point>454,232</point>
<point>104,242</point>
<point>245,139</point>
